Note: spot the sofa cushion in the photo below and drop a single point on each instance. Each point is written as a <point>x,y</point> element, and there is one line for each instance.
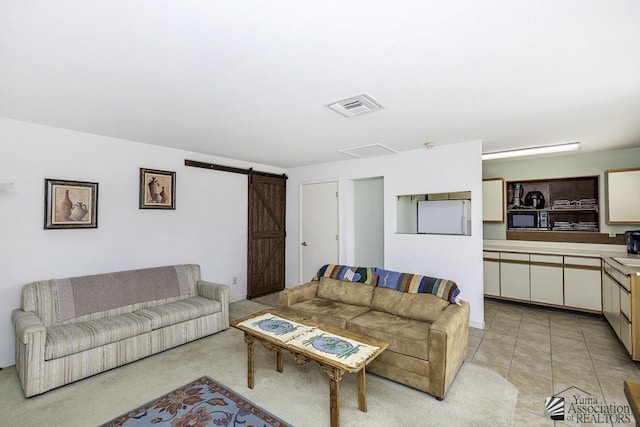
<point>63,340</point>
<point>179,311</point>
<point>423,307</point>
<point>346,292</point>
<point>405,336</point>
<point>326,311</point>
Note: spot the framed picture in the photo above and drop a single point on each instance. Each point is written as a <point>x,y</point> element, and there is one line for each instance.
<point>157,189</point>
<point>70,204</point>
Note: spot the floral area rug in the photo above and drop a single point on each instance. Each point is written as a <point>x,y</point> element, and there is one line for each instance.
<point>203,402</point>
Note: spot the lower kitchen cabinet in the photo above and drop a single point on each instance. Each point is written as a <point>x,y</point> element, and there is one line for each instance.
<point>573,282</point>
<point>547,279</point>
<point>583,283</point>
<point>580,282</point>
<point>514,276</point>
<point>619,307</point>
<point>625,333</point>
<point>491,273</point>
<point>611,302</point>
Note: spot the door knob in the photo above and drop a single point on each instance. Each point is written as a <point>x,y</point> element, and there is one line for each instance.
<point>304,244</point>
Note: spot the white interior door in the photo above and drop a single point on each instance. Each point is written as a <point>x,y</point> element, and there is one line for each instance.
<point>319,227</point>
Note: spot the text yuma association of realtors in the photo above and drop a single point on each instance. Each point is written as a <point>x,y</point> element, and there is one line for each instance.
<point>589,410</point>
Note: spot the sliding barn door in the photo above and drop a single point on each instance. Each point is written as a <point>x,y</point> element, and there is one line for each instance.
<point>266,230</point>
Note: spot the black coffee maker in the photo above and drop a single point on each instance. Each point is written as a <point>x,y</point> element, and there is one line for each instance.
<point>633,241</point>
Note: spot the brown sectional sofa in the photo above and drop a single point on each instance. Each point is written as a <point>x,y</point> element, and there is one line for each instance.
<point>427,335</point>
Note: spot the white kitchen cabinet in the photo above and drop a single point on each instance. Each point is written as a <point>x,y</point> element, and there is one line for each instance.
<point>493,204</point>
<point>491,273</point>
<point>547,279</point>
<point>615,309</point>
<point>620,184</point>
<point>618,302</point>
<point>514,276</point>
<point>625,302</point>
<point>583,283</point>
<point>625,334</point>
<point>607,298</point>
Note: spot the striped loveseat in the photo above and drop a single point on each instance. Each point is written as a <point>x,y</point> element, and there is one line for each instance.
<point>69,329</point>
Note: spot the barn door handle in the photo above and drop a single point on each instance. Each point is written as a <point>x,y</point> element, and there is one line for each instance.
<point>304,244</point>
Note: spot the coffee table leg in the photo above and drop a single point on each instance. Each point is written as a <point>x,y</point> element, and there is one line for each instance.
<point>279,362</point>
<point>334,402</point>
<point>362,390</point>
<point>335,376</point>
<point>249,340</point>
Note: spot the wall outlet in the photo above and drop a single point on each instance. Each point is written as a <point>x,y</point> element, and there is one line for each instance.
<point>234,280</point>
<point>612,234</point>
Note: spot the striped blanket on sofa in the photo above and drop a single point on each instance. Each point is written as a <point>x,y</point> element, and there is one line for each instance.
<point>404,282</point>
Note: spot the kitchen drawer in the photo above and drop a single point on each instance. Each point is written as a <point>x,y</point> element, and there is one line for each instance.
<point>491,255</point>
<point>609,269</point>
<point>588,262</point>
<point>625,333</point>
<point>510,256</point>
<point>616,275</point>
<point>625,303</point>
<point>623,280</point>
<point>549,259</point>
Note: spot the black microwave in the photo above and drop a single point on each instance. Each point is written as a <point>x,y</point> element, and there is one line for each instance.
<point>528,220</point>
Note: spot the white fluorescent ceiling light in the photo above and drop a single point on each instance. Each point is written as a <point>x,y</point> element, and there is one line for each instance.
<point>547,149</point>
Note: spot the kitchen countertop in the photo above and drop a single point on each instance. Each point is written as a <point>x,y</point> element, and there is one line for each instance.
<point>606,252</point>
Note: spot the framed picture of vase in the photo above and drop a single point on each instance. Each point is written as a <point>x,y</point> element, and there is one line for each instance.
<point>70,204</point>
<point>157,189</point>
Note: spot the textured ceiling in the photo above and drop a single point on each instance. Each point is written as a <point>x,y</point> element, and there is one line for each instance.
<point>249,79</point>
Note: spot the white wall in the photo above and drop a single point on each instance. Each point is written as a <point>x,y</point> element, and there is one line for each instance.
<point>208,226</point>
<point>369,222</point>
<point>442,169</point>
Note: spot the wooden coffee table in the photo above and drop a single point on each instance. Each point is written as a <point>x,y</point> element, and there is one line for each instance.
<point>332,366</point>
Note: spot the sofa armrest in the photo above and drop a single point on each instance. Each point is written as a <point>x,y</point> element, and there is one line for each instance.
<point>301,293</point>
<point>217,292</point>
<point>30,339</point>
<point>448,343</point>
<point>27,324</point>
<point>214,291</point>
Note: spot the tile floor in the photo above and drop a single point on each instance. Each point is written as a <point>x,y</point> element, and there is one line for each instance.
<point>546,351</point>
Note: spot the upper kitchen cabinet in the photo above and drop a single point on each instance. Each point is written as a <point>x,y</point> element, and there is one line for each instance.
<point>493,200</point>
<point>623,203</point>
<point>556,210</point>
<point>561,204</point>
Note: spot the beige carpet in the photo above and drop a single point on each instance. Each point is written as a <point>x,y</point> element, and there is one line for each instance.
<point>299,395</point>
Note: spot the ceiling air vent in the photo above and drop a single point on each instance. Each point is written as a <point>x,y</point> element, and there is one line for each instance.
<point>355,105</point>
<point>371,150</point>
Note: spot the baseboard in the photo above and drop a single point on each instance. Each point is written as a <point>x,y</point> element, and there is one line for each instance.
<point>240,298</point>
<point>476,325</point>
<point>7,363</point>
